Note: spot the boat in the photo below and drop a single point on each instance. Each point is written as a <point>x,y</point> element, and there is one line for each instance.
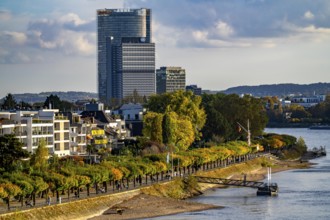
<point>318,152</point>
<point>268,189</point>
<point>320,127</point>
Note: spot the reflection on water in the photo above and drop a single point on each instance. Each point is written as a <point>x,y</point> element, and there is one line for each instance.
<point>304,194</point>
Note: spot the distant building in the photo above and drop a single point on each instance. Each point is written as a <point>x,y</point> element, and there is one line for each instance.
<point>114,128</point>
<point>308,101</point>
<point>126,54</point>
<point>195,89</point>
<point>170,79</point>
<point>94,107</point>
<point>133,116</point>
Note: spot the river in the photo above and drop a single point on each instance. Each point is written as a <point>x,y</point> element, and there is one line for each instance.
<point>304,194</point>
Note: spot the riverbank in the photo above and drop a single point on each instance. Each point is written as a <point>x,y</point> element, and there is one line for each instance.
<point>146,206</point>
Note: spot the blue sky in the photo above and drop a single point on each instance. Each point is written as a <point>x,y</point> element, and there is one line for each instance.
<point>48,45</point>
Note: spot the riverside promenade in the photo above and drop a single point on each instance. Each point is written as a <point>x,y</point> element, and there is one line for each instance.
<point>115,187</point>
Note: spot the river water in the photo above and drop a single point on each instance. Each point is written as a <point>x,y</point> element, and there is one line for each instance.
<point>303,194</point>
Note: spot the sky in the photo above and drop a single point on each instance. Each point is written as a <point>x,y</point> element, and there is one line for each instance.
<point>48,45</point>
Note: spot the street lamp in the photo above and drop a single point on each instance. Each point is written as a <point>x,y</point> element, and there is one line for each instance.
<point>247,131</point>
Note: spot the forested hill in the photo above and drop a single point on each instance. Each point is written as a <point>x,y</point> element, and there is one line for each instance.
<point>41,97</point>
<point>281,89</point>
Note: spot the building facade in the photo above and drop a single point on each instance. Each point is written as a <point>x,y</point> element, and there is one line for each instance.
<point>126,54</point>
<point>170,79</point>
<point>308,101</point>
<point>195,89</point>
<point>30,127</point>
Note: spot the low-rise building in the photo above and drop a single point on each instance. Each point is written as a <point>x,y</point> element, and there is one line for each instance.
<point>308,101</point>
<point>133,117</point>
<point>195,89</point>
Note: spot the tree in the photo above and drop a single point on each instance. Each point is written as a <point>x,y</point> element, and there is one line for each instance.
<point>321,110</point>
<point>55,102</point>
<point>135,97</point>
<point>10,151</point>
<point>39,159</point>
<point>11,191</point>
<point>185,105</point>
<point>177,131</point>
<point>298,111</point>
<point>152,126</point>
<point>9,102</point>
<point>225,111</point>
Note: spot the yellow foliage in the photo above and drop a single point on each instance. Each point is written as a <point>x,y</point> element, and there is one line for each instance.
<point>117,174</point>
<point>3,193</point>
<point>276,143</point>
<point>160,166</point>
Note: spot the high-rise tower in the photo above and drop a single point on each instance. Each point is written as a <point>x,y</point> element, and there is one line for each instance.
<point>126,54</point>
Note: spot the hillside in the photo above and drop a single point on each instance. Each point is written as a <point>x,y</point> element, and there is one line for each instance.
<point>281,89</point>
<point>70,96</point>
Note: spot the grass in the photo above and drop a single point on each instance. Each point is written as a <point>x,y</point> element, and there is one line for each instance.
<point>72,210</point>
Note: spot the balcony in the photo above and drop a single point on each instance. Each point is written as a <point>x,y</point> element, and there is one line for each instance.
<point>61,117</point>
<point>39,121</point>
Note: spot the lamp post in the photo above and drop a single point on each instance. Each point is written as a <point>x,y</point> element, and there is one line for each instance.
<point>247,131</point>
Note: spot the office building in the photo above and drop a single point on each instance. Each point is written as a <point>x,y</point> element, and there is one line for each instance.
<point>170,79</point>
<point>126,54</point>
<point>195,89</point>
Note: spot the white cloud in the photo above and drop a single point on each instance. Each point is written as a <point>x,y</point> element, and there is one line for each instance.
<point>223,29</point>
<point>68,35</point>
<point>62,36</point>
<point>200,36</point>
<point>13,38</point>
<point>309,15</point>
<point>268,44</point>
<point>72,18</point>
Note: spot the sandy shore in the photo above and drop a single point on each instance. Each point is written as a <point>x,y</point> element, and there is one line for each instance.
<point>146,206</point>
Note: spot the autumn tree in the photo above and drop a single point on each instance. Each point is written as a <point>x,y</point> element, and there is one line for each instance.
<point>11,190</point>
<point>152,126</point>
<point>184,104</point>
<point>174,119</point>
<point>177,131</point>
<point>39,159</point>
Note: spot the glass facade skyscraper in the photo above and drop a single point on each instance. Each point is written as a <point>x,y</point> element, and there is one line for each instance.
<point>126,54</point>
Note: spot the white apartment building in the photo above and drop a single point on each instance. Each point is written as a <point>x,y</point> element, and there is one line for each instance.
<point>308,101</point>
<point>79,130</point>
<point>32,126</point>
